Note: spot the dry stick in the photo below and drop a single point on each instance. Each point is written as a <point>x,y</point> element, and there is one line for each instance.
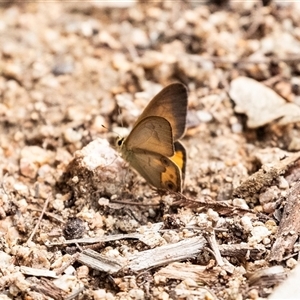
<point>272,80</point>
<point>222,207</point>
<point>257,21</point>
<point>39,220</point>
<point>133,203</point>
<point>265,176</point>
<point>2,184</point>
<point>265,60</point>
<point>48,214</point>
<point>289,227</point>
<point>47,288</point>
<point>210,237</point>
<point>147,204</point>
<point>222,262</point>
<point>67,264</point>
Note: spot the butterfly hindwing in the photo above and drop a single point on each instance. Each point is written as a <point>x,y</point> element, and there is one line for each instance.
<point>158,170</point>
<point>179,158</point>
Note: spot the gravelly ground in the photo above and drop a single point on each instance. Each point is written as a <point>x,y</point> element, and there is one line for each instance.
<point>67,68</point>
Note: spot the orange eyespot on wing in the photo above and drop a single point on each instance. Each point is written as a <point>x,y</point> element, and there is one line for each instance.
<point>171,178</point>
<point>160,171</point>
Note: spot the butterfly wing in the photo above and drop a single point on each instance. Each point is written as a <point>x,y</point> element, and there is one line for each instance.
<point>160,171</point>
<point>150,147</point>
<point>153,134</point>
<point>179,158</point>
<point>171,104</point>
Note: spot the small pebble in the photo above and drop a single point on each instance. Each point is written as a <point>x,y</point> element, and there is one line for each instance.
<point>72,136</point>
<point>283,183</point>
<point>74,229</point>
<point>246,223</point>
<point>28,168</point>
<point>240,203</point>
<point>171,236</point>
<point>258,234</point>
<point>212,215</point>
<point>137,294</point>
<point>237,128</point>
<point>67,283</point>
<point>70,270</point>
<point>204,116</point>
<point>82,272</point>
<point>99,294</point>
<point>63,68</point>
<point>291,263</point>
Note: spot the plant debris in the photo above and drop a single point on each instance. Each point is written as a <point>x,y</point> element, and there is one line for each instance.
<point>76,222</point>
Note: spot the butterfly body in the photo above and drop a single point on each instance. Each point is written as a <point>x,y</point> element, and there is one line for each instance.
<point>152,147</point>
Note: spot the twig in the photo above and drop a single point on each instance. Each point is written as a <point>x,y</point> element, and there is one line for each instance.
<point>144,260</point>
<point>222,262</point>
<point>133,203</point>
<point>289,226</point>
<point>67,264</point>
<point>39,220</point>
<point>257,21</point>
<point>264,177</point>
<point>266,60</point>
<point>2,184</point>
<point>270,81</point>
<point>48,214</point>
<point>222,207</point>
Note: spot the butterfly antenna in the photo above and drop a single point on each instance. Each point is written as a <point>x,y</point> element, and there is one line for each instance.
<point>121,119</point>
<point>111,131</point>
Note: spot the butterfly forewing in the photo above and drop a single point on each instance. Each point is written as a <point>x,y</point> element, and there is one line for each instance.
<point>152,134</point>
<point>171,104</point>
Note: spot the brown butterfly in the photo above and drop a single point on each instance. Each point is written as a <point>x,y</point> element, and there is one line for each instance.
<point>152,147</point>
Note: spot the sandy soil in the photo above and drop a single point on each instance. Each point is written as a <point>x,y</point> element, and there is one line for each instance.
<point>67,69</point>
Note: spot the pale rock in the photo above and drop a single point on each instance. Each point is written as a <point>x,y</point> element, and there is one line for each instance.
<point>70,270</point>
<point>5,259</point>
<point>137,294</point>
<point>28,168</point>
<point>37,155</point>
<point>71,135</point>
<point>258,234</point>
<point>283,183</point>
<point>204,116</point>
<point>67,283</point>
<point>246,223</point>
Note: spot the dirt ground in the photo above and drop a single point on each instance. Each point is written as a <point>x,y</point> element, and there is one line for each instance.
<point>76,222</point>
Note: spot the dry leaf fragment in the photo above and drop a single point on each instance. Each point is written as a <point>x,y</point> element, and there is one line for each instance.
<point>261,104</point>
<point>38,272</point>
<point>181,271</point>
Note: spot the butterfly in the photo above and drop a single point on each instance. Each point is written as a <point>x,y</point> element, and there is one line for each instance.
<point>152,147</point>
